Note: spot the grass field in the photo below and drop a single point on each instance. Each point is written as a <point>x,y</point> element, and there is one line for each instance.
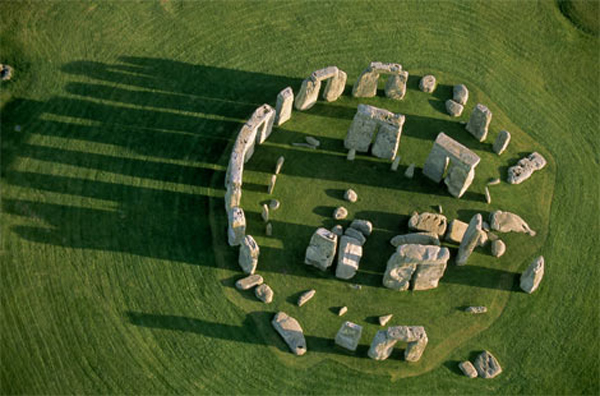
<point>115,134</point>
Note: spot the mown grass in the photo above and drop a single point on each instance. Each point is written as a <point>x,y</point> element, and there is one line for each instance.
<point>110,283</point>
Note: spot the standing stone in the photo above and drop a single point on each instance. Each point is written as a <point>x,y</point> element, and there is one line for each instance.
<point>338,230</point>
<point>354,233</point>
<point>479,122</point>
<point>383,320</point>
<point>471,239</point>
<point>279,165</point>
<point>306,296</point>
<point>531,278</point>
<point>366,122</point>
<point>453,108</point>
<point>274,204</point>
<point>498,248</point>
<point>249,252</point>
<point>460,94</point>
<point>272,184</point>
<point>342,311</point>
<point>428,222</point>
<point>249,282</point>
<point>501,142</point>
<point>427,83</point>
<point>487,366</point>
<point>440,209</point>
<point>468,369</point>
<point>265,213</point>
<point>291,332</point>
<point>456,231</point>
<point>418,238</point>
<point>348,336</point>
<point>233,197</point>
<point>283,108</point>
<point>237,226</point>
<point>525,168</point>
<point>410,171</point>
<point>269,229</point>
<point>351,155</point>
<point>312,141</point>
<point>340,213</point>
<point>348,258</point>
<point>350,195</point>
<point>395,86</point>
<point>364,226</point>
<point>488,197</point>
<point>476,309</point>
<point>321,250</point>
<point>485,226</point>
<point>424,265</point>
<point>396,163</point>
<point>493,182</point>
<point>264,293</point>
<point>509,222</point>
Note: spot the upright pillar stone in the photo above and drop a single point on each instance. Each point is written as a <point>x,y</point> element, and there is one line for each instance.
<point>309,91</point>
<point>479,122</point>
<point>237,226</point>
<point>283,108</point>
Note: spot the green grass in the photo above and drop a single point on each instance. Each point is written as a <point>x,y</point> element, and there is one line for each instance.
<point>109,279</point>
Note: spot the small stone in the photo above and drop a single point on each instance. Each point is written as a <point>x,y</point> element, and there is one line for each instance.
<point>248,257</point>
<point>493,182</point>
<point>498,248</point>
<point>272,184</point>
<point>291,332</point>
<point>312,141</point>
<point>440,209</point>
<point>410,171</point>
<point>468,369</point>
<point>350,195</point>
<point>483,237</point>
<point>476,309</point>
<point>348,336</point>
<point>383,320</point>
<point>427,83</point>
<point>249,282</point>
<point>355,286</point>
<point>274,204</point>
<point>279,165</point>
<point>351,155</point>
<point>501,142</point>
<point>487,366</point>
<point>396,163</point>
<point>364,226</point>
<point>492,237</point>
<point>531,278</point>
<point>354,233</point>
<point>17,128</point>
<point>340,213</point>
<point>460,94</point>
<point>269,229</point>
<point>343,311</point>
<point>306,296</point>
<point>509,222</point>
<point>488,197</point>
<point>453,108</point>
<point>265,213</point>
<point>305,145</point>
<point>264,293</point>
<point>338,230</point>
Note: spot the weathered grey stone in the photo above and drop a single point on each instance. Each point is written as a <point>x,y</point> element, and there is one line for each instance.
<point>460,94</point>
<point>488,197</point>
<point>479,122</point>
<point>354,286</point>
<point>483,238</point>
<point>279,165</point>
<point>383,320</point>
<point>272,182</point>
<point>423,264</point>
<point>338,230</point>
<point>501,142</point>
<point>418,238</point>
<point>306,296</point>
<point>453,108</point>
<point>6,72</point>
<point>396,163</point>
<point>283,108</point>
<point>410,171</point>
<point>509,222</point>
<point>351,155</point>
<point>427,83</point>
<point>485,226</point>
<point>487,366</point>
<point>237,226</point>
<point>335,87</point>
<point>471,239</point>
<point>348,257</point>
<point>428,222</point>
<point>476,309</point>
<point>493,182</point>
<point>233,197</point>
<point>269,229</point>
<point>265,213</point>
<point>387,141</point>
<point>321,250</point>
<point>309,91</point>
<point>447,155</point>
<point>264,293</point>
<point>525,168</point>
<point>468,369</point>
<point>348,336</point>
<point>456,231</point>
<point>343,311</point>
<point>395,87</point>
<point>384,341</point>
<point>249,282</point>
<point>249,252</point>
<point>305,145</point>
<point>340,213</point>
<point>274,204</point>
<point>440,209</point>
<point>312,141</point>
<point>364,226</point>
<point>354,233</point>
<point>491,236</point>
<point>498,248</point>
<point>350,195</point>
<point>291,332</point>
<point>531,278</point>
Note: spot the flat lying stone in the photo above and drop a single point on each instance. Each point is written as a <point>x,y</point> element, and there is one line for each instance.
<point>291,332</point>
<point>348,257</point>
<point>468,369</point>
<point>488,196</point>
<point>321,249</point>
<point>428,222</point>
<point>312,141</point>
<point>264,293</point>
<point>509,222</point>
<point>487,366</point>
<point>472,238</point>
<point>249,282</point>
<point>279,164</point>
<point>531,278</point>
<point>265,213</point>
<point>525,167</point>
<point>306,296</point>
<point>493,182</point>
<point>453,108</point>
<point>419,238</point>
<point>364,226</point>
<point>340,213</point>
<point>272,182</point>
<point>476,309</point>
<point>348,336</point>
<point>354,233</point>
<point>456,231</point>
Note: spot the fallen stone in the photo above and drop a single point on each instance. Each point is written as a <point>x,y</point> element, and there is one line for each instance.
<point>265,213</point>
<point>338,230</point>
<point>531,278</point>
<point>237,226</point>
<point>410,171</point>
<point>306,296</point>
<point>384,341</point>
<point>460,94</point>
<point>468,369</point>
<point>419,265</point>
<point>279,165</point>
<point>498,248</point>
<point>427,83</point>
<point>471,239</point>
<point>321,249</point>
<point>342,311</point>
<point>350,195</point>
<point>487,366</point>
<point>488,197</point>
<point>383,320</point>
<point>351,155</point>
<point>509,222</point>
<point>348,336</point>
<point>249,282</point>
<point>306,145</point>
<point>483,240</point>
<point>485,226</point>
<point>283,107</point>
<point>418,238</point>
<point>479,122</point>
<point>428,222</point>
<point>355,286</point>
<point>269,229</point>
<point>364,226</point>
<point>492,237</point>
<point>501,142</point>
<point>249,252</point>
<point>456,231</point>
<point>396,163</point>
<point>291,332</point>
<point>312,141</point>
<point>274,204</point>
<point>348,257</point>
<point>272,184</point>
<point>525,168</point>
<point>264,293</point>
<point>453,108</point>
<point>476,309</point>
<point>354,233</point>
<point>340,213</point>
<point>493,182</point>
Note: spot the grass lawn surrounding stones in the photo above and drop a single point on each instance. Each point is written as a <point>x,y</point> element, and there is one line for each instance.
<point>115,132</point>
